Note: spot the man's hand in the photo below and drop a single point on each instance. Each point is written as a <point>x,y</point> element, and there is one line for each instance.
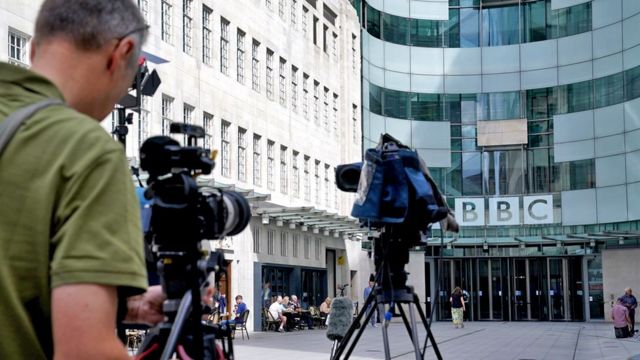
<point>146,308</point>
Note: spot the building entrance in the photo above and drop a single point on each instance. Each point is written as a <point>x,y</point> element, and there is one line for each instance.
<point>514,289</point>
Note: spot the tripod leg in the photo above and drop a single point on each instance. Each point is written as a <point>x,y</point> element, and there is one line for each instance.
<point>405,321</point>
<point>345,340</point>
<point>416,301</point>
<point>385,334</point>
<point>360,331</point>
<point>414,330</point>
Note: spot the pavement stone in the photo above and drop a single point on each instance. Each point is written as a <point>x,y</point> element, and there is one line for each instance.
<point>477,340</point>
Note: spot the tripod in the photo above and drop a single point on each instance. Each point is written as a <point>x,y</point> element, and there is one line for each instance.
<point>392,253</point>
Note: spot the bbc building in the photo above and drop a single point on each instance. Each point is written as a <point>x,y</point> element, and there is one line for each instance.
<point>528,116</point>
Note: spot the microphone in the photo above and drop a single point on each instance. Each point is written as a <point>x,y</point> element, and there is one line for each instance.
<point>340,318</point>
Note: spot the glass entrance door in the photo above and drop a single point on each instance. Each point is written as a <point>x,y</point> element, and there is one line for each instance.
<point>556,289</point>
<point>520,290</point>
<point>484,289</point>
<point>538,289</point>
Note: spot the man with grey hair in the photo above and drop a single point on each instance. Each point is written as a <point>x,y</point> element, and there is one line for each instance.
<point>631,303</point>
<point>70,233</point>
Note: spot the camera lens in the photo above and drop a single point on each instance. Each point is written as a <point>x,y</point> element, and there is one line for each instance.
<point>238,212</point>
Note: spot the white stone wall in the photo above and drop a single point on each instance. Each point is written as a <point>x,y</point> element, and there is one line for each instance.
<point>187,80</point>
<point>620,269</point>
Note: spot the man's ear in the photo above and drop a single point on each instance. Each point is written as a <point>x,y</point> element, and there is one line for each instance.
<point>121,55</point>
<point>32,50</point>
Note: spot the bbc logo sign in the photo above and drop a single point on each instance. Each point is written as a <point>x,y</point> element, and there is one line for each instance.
<point>505,211</point>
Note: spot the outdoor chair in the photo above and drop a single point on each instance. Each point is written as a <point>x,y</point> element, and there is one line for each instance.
<point>242,327</point>
<point>268,321</point>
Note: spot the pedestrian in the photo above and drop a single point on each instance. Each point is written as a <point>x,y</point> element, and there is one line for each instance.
<point>630,302</point>
<point>621,320</point>
<point>367,291</point>
<point>457,307</point>
<point>70,231</point>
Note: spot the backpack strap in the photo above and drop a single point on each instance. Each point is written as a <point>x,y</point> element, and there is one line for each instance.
<point>12,123</point>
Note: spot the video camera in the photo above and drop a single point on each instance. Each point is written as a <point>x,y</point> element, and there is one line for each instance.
<point>183,214</point>
<point>394,187</point>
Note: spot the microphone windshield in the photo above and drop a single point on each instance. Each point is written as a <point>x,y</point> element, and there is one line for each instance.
<point>340,318</point>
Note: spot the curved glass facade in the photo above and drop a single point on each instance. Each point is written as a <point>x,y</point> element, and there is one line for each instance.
<point>534,104</point>
<point>473,24</point>
<point>556,92</point>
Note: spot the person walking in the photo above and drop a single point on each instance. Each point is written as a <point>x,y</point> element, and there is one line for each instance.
<point>457,307</point>
<point>367,292</point>
<point>629,301</point>
<point>621,321</point>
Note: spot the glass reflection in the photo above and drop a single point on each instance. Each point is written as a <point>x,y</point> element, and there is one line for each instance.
<point>471,173</point>
<point>500,26</point>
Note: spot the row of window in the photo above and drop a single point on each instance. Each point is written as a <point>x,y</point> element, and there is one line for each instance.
<point>475,26</point>
<point>512,172</point>
<point>534,104</point>
<point>329,37</point>
<point>288,77</point>
<point>283,159</point>
<point>285,249</point>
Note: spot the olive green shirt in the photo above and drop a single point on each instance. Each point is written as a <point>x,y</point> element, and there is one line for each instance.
<point>68,214</point>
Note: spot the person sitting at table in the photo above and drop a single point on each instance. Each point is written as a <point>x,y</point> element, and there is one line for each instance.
<point>276,312</point>
<point>305,316</point>
<point>325,307</point>
<point>238,309</point>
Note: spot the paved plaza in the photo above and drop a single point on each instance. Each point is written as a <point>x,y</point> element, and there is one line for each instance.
<point>478,340</point>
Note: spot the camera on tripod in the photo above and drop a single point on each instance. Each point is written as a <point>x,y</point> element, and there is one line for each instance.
<point>396,196</point>
<point>183,214</point>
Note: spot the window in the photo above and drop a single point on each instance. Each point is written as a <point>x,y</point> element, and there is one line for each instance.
<point>305,96</point>
<point>354,53</point>
<point>325,39</point>
<point>145,119</point>
<point>316,102</point>
<point>315,30</point>
<point>271,165</point>
<point>632,83</point>
<point>284,178</point>
<point>284,243</point>
<point>295,242</point>
<point>255,66</point>
<point>327,188</point>
<point>334,47</point>
<point>500,26</point>
<point>224,46</point>
<point>271,246</point>
<point>240,57</point>
<point>326,109</point>
<point>281,8</point>
<point>296,175</point>
<point>167,21</point>
<point>257,160</point>
<point>335,114</point>
<point>294,13</point>
<point>317,181</point>
<point>305,16</point>
<point>143,5</point>
<point>187,117</point>
<point>167,114</point>
<point>373,21</point>
<point>242,154</point>
<point>18,48</point>
<point>255,231</point>
<point>608,90</point>
<point>317,252</point>
<point>335,191</point>
<point>294,89</point>
<point>207,124</point>
<point>206,35</point>
<point>226,149</point>
<point>269,74</point>
<point>187,26</point>
<point>354,117</point>
<point>283,82</point>
<point>307,247</point>
<point>307,180</point>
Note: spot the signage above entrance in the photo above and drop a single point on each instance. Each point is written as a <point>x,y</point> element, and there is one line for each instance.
<point>504,211</point>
